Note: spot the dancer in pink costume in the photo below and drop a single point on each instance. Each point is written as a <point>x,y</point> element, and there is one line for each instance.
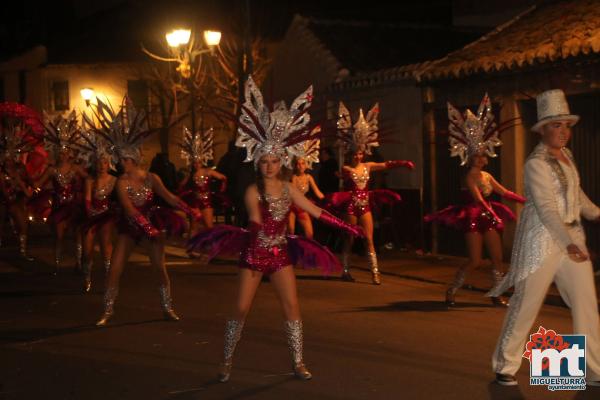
<point>305,182</point>
<point>20,131</point>
<point>272,140</point>
<point>100,204</point>
<point>197,151</point>
<point>61,137</point>
<point>357,201</point>
<point>140,219</point>
<point>473,138</point>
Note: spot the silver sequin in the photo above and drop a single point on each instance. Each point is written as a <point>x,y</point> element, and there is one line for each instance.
<point>360,178</point>
<point>141,195</point>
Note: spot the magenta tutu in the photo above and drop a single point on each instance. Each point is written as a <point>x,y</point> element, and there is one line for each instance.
<point>472,217</point>
<point>265,247</point>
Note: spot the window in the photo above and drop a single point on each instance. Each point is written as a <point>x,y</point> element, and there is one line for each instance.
<point>138,93</point>
<point>60,95</point>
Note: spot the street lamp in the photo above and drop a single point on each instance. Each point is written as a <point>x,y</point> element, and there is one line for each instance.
<point>187,53</point>
<point>87,94</point>
<point>185,50</point>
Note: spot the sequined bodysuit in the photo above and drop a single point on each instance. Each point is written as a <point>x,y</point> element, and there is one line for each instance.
<point>143,198</point>
<point>102,208</point>
<point>101,198</point>
<point>267,251</point>
<point>64,188</point>
<point>200,197</point>
<point>67,199</point>
<point>303,186</point>
<point>356,181</point>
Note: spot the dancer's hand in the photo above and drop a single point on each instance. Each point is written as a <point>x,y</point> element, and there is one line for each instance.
<point>576,254</point>
<point>196,214</point>
<point>400,163</point>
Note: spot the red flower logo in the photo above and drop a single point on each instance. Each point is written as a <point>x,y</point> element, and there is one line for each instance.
<point>545,339</point>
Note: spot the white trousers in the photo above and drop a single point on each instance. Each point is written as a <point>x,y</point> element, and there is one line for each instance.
<point>575,282</point>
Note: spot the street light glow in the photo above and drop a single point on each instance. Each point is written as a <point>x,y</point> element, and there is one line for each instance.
<point>177,37</point>
<point>87,94</point>
<point>212,38</point>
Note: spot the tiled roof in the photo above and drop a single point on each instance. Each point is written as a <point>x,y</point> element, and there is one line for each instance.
<point>551,31</point>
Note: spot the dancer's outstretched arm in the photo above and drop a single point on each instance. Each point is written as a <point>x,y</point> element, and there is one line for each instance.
<point>373,166</point>
<point>160,189</point>
<point>504,192</point>
<point>322,215</point>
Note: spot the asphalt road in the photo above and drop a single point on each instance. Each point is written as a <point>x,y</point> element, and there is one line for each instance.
<point>361,341</point>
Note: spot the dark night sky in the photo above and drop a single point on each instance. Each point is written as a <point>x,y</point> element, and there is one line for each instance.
<point>71,27</point>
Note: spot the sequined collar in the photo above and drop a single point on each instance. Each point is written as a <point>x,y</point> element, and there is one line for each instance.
<point>278,207</point>
<point>140,195</point>
<point>101,192</point>
<point>360,177</point>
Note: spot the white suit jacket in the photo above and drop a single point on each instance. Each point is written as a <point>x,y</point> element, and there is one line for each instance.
<point>551,216</point>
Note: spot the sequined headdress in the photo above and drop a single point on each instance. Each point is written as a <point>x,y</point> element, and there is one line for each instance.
<point>94,148</point>
<point>364,135</point>
<point>473,134</point>
<point>198,147</point>
<point>281,133</point>
<point>123,131</point>
<point>62,133</point>
<point>20,130</point>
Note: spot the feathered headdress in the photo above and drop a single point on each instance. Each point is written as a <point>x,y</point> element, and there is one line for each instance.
<point>310,150</point>
<point>364,135</point>
<point>61,134</point>
<point>198,147</point>
<point>94,148</point>
<point>124,131</point>
<point>473,134</point>
<point>281,133</point>
<point>20,130</point>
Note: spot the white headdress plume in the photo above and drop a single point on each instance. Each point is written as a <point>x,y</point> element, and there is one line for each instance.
<point>95,148</point>
<point>124,131</point>
<point>280,133</point>
<point>473,134</point>
<point>61,133</point>
<point>364,135</point>
<point>198,147</point>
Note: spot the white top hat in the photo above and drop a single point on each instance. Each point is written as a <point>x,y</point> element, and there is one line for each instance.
<point>552,106</point>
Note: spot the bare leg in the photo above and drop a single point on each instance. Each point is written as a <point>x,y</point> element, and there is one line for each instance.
<point>366,222</point>
<point>19,217</point>
<point>292,223</point>
<point>306,226</point>
<point>348,241</point>
<point>284,282</point>
<point>119,258</point>
<point>474,242</point>
<point>88,259</point>
<point>60,230</point>
<point>106,247</point>
<point>494,248</point>
<point>248,283</point>
<point>156,252</point>
<point>207,217</point>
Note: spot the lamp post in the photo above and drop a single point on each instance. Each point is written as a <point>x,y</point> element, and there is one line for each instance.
<point>187,53</point>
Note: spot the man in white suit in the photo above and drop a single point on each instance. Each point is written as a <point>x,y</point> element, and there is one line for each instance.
<point>550,245</point>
